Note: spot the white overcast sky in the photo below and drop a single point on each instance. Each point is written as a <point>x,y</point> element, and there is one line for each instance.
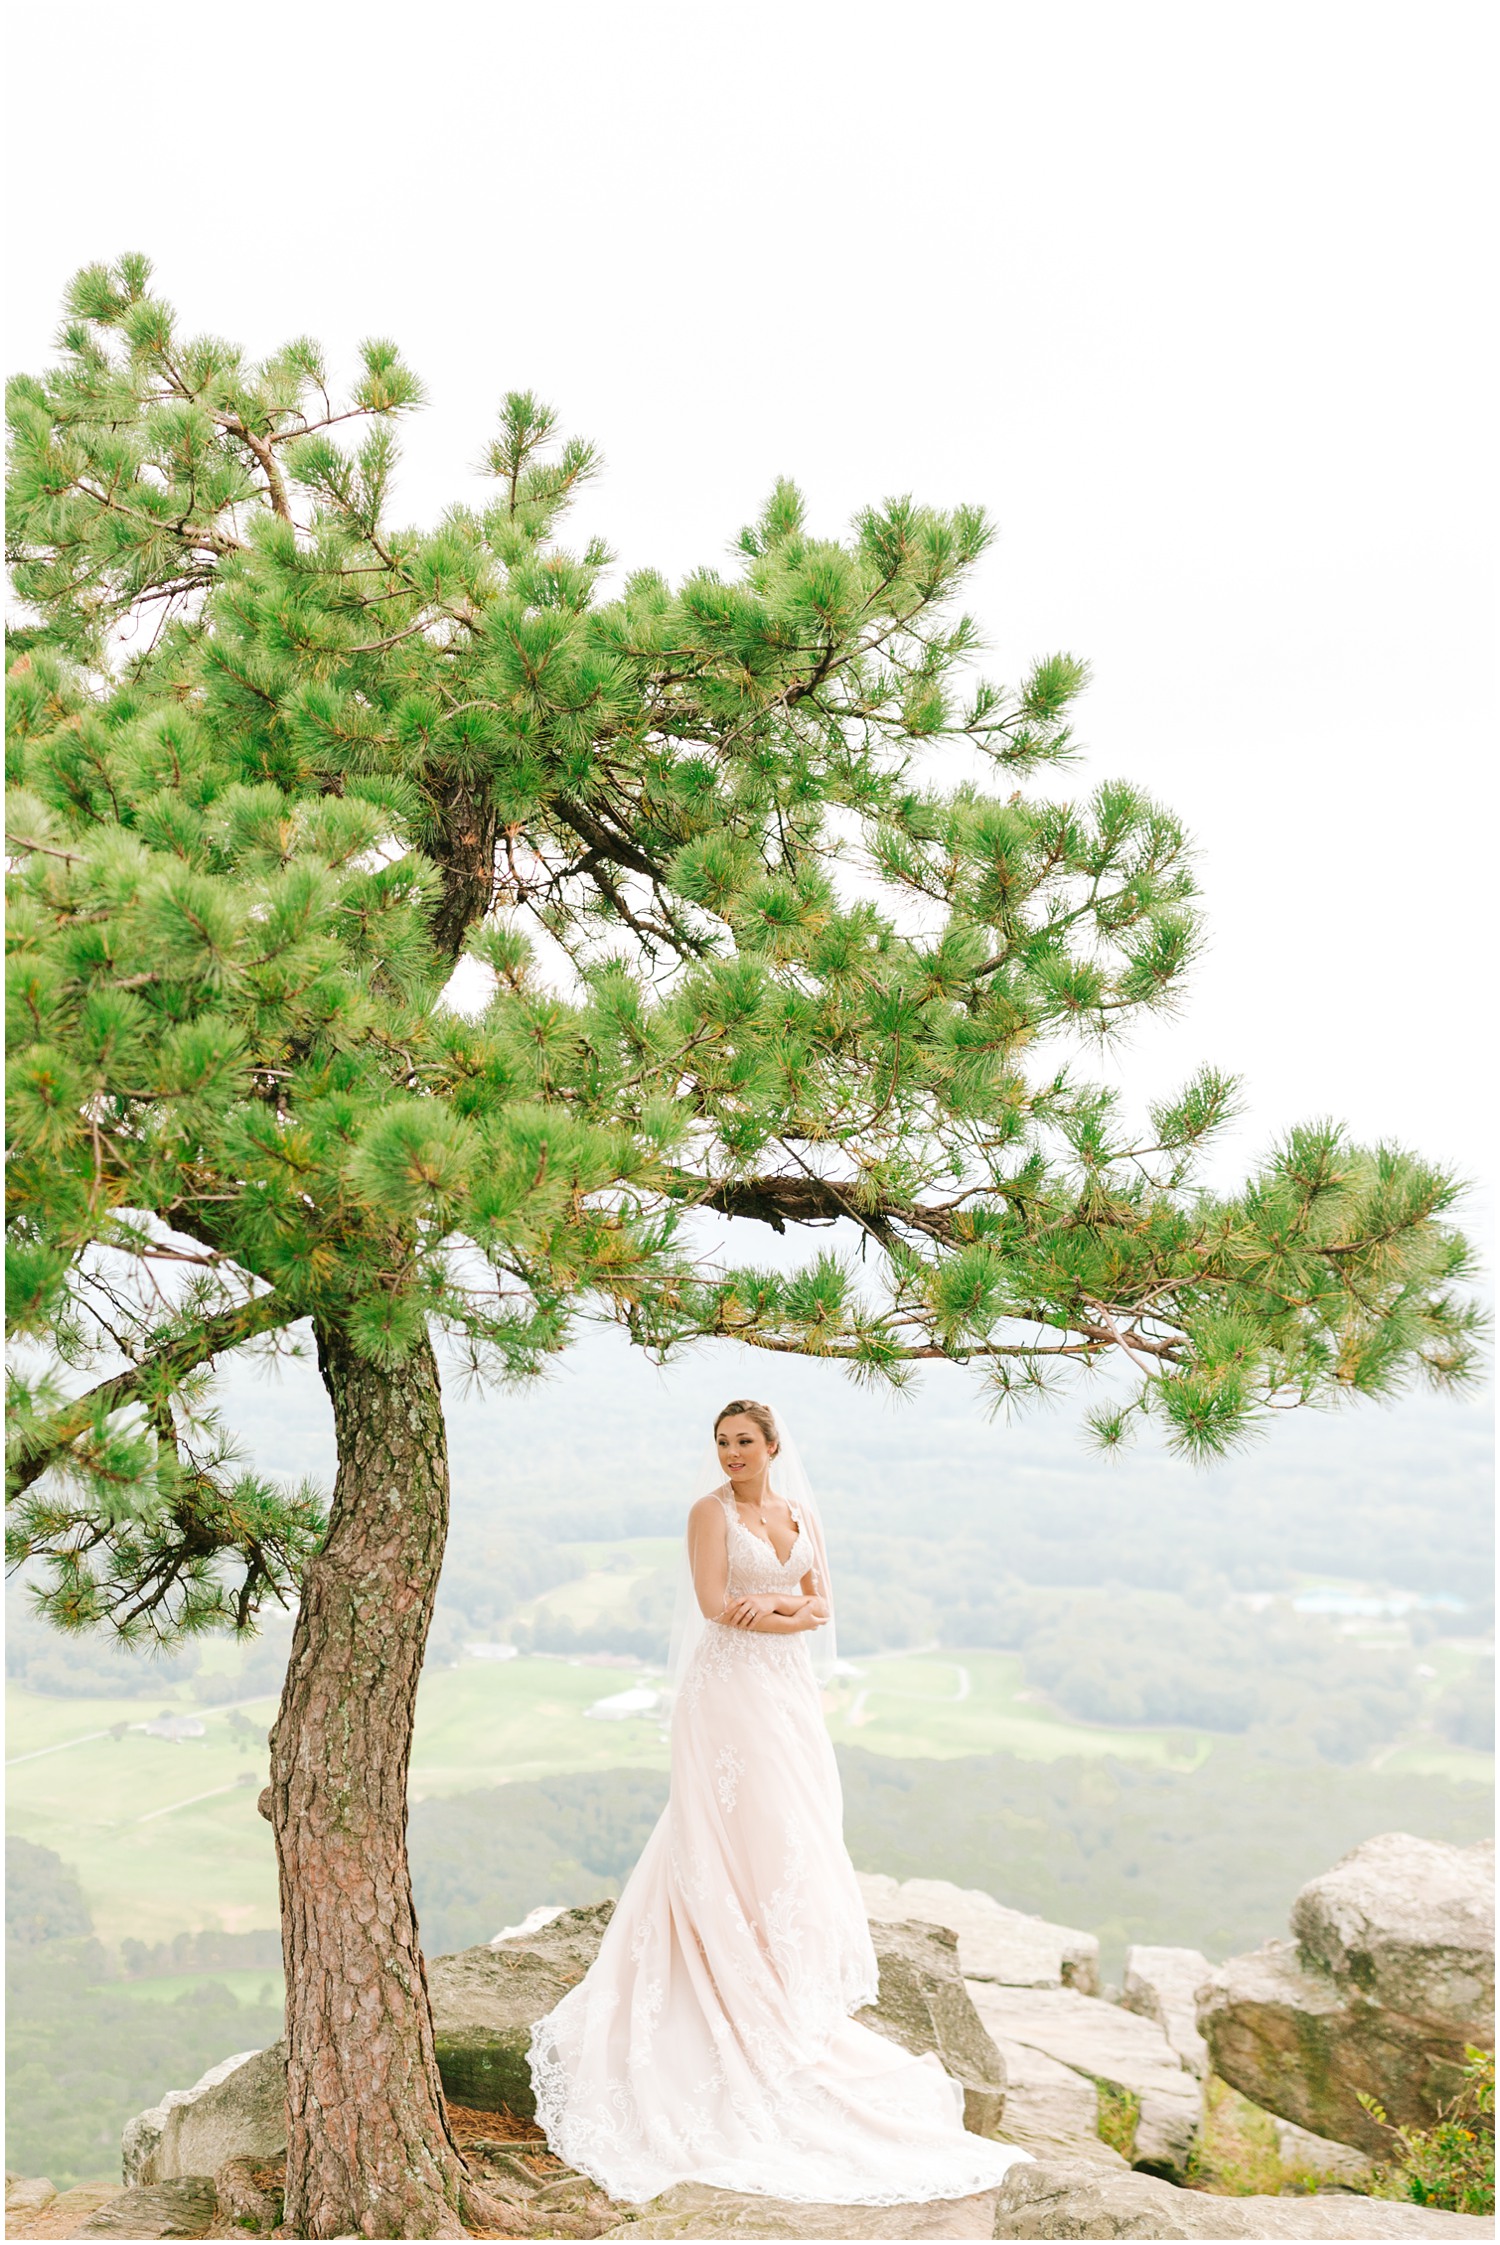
<point>1192,298</point>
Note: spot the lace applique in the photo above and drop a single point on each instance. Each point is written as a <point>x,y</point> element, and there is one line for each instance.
<point>729,1768</point>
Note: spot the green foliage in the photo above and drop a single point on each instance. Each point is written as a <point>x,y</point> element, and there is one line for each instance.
<point>483,1860</point>
<point>43,1899</point>
<point>1236,2153</point>
<point>276,764</point>
<point>1206,1858</point>
<point>1450,2165</point>
<point>1466,1712</point>
<point>1119,2117</point>
<point>83,2053</point>
<point>1152,1657</point>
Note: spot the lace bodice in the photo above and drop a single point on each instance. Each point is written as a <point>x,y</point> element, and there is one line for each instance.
<point>753,1564</point>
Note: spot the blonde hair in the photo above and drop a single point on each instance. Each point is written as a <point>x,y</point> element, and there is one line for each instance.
<point>745,1408</point>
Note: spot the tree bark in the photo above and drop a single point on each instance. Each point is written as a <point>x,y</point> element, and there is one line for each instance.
<point>463,850</point>
<point>368,2148</point>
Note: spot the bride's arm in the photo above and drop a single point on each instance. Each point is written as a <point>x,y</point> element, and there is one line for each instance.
<point>708,1556</point>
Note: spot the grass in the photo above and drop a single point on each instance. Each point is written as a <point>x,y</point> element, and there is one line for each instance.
<point>1119,2117</point>
<point>1237,2154</point>
<point>944,1705</point>
<point>492,1721</point>
<point>1461,1765</point>
<point>257,1987</point>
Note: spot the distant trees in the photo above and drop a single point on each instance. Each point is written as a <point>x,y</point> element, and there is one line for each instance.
<point>1466,1711</point>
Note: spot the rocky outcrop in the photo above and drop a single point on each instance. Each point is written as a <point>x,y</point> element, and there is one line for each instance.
<point>1110,2046</point>
<point>924,2006</point>
<point>994,1943</point>
<point>237,2110</point>
<point>184,2207</point>
<point>1380,1995</point>
<point>1305,2156</point>
<point>1162,1984</point>
<point>485,2002</point>
<point>1073,2200</point>
<point>46,2212</point>
<point>1410,1925</point>
<point>1051,2110</point>
<point>695,2210</point>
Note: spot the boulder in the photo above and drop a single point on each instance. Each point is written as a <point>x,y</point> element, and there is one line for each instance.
<point>1410,1925</point>
<point>696,2210</point>
<point>1108,2045</point>
<point>237,2110</point>
<point>26,2197</point>
<point>485,2002</point>
<point>245,2201</point>
<point>183,2207</point>
<point>64,2214</point>
<point>1392,1975</point>
<point>923,2005</point>
<point>1050,2110</point>
<point>1294,2043</point>
<point>1341,2166</point>
<point>1072,2200</point>
<point>1161,1984</point>
<point>994,1942</point>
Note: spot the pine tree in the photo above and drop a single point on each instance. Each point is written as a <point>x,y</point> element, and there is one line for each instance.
<point>274,766</point>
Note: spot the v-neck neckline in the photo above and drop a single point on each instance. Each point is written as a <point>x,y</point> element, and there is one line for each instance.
<point>729,1498</point>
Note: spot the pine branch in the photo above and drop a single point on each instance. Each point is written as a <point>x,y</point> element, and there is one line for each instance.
<point>38,1448</point>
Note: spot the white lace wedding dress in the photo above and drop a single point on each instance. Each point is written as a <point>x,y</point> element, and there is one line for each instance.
<point>711,2040</point>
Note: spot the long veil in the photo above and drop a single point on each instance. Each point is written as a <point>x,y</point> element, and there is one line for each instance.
<point>788,1480</point>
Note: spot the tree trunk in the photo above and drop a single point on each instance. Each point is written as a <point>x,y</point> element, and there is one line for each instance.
<point>463,849</point>
<point>368,2148</point>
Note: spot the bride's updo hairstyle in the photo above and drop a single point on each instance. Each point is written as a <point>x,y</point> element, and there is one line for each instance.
<point>745,1409</point>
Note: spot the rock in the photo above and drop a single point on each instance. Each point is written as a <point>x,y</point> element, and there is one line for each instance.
<point>485,2002</point>
<point>696,2210</point>
<point>23,2198</point>
<point>923,2005</point>
<point>1393,1973</point>
<point>1108,2045</point>
<point>1050,2110</point>
<point>1297,2044</point>
<point>237,2111</point>
<point>245,2203</point>
<point>183,2207</point>
<point>1302,2153</point>
<point>1410,1925</point>
<point>1161,1984</point>
<point>994,1942</point>
<point>64,2214</point>
<point>1070,2199</point>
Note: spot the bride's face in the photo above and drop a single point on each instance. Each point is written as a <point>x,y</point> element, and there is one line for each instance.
<point>744,1452</point>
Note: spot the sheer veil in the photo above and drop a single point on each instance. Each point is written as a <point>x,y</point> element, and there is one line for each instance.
<point>788,1480</point>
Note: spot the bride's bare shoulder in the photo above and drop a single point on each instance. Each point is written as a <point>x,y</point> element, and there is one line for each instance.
<point>705,1512</point>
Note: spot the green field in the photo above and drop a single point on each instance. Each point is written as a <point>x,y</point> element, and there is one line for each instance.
<point>246,1987</point>
<point>165,1835</point>
<point>945,1704</point>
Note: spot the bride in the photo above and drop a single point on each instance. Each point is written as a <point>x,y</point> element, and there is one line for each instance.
<point>711,2039</point>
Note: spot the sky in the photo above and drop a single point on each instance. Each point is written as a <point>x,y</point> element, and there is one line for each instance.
<point>1191,299</point>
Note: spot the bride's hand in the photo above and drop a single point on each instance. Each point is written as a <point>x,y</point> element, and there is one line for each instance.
<point>745,1612</point>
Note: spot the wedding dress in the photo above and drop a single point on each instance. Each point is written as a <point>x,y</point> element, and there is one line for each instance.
<point>711,2041</point>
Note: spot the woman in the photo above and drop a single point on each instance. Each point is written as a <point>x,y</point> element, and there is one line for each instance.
<point>711,2040</point>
